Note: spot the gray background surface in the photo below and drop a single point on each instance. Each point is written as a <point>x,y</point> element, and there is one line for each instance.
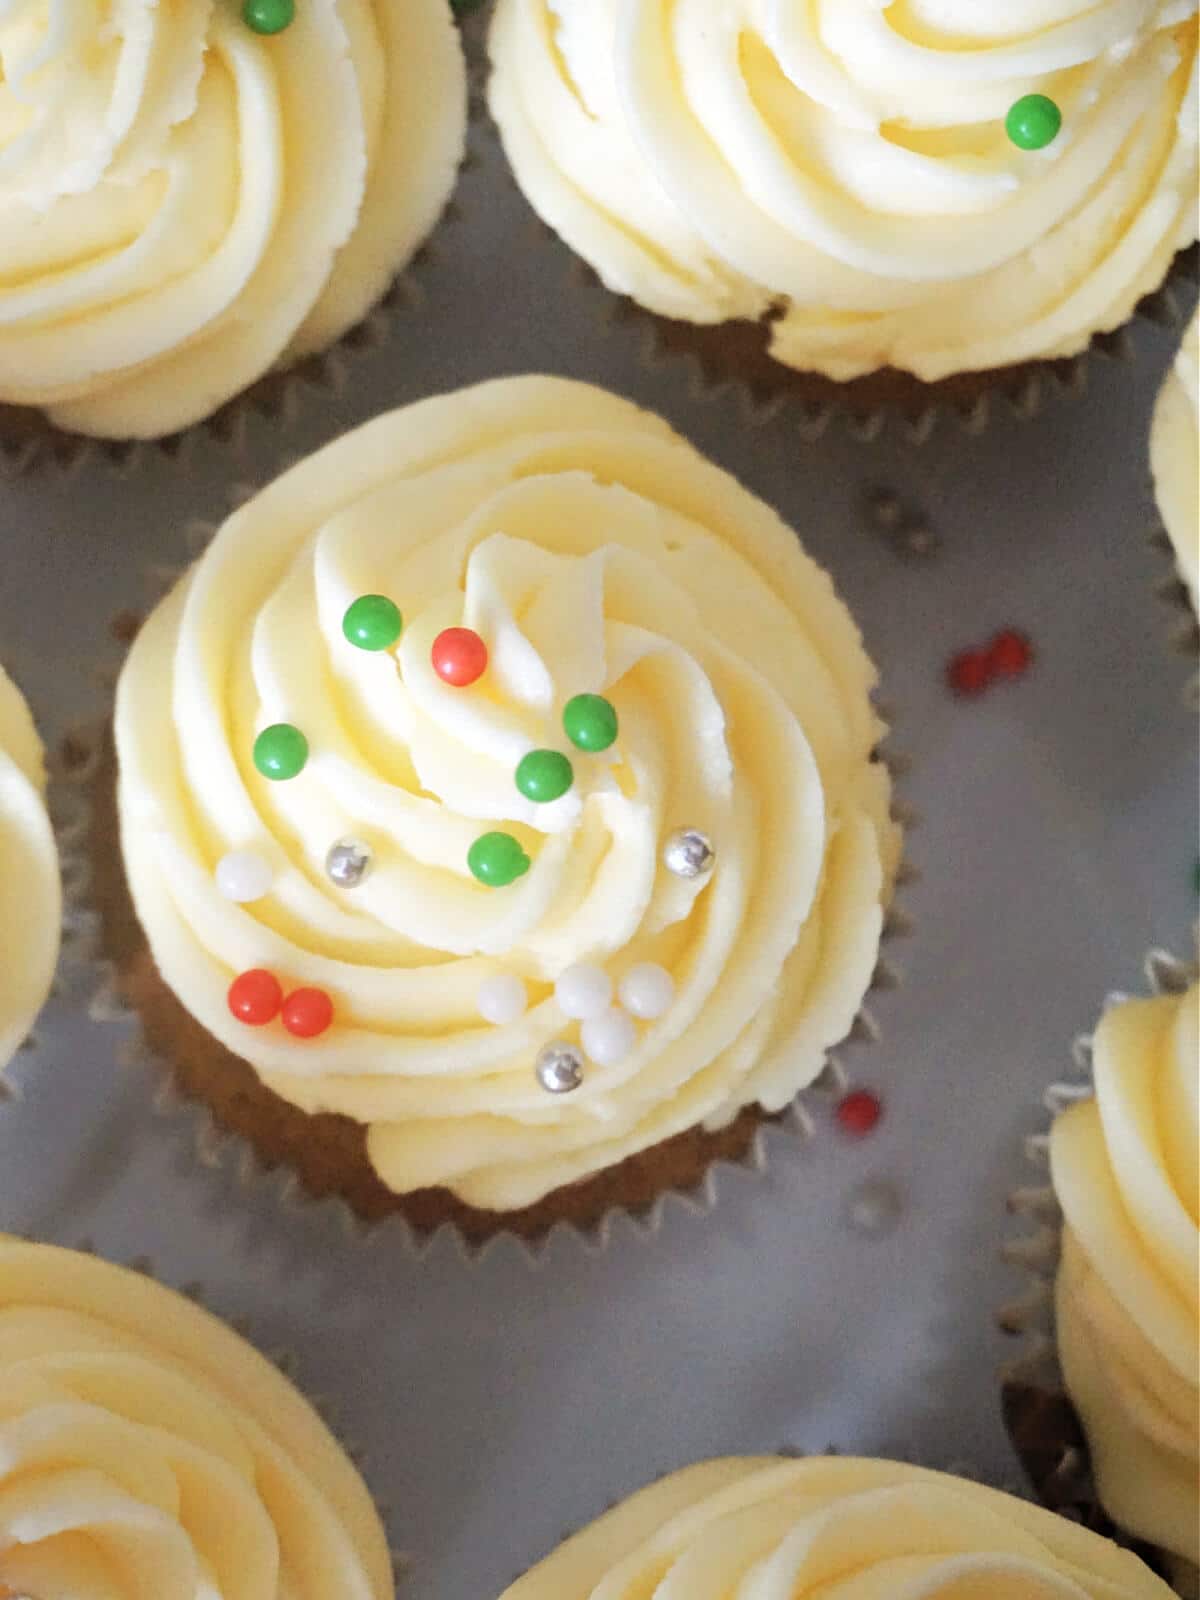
<point>501,1403</point>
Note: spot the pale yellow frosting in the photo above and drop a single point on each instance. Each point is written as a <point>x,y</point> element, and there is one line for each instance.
<point>185,203</point>
<point>1175,457</point>
<point>833,1528</point>
<point>1125,1171</point>
<point>148,1453</point>
<point>30,895</point>
<point>595,551</point>
<point>846,162</point>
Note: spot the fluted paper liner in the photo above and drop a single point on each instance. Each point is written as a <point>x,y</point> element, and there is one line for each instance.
<point>692,1177</point>
<point>1038,1415</point>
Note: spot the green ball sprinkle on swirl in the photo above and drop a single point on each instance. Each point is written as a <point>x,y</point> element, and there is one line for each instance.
<point>268,16</point>
<point>590,722</point>
<point>1033,122</point>
<point>497,859</point>
<point>280,751</point>
<point>372,622</point>
<point>544,775</point>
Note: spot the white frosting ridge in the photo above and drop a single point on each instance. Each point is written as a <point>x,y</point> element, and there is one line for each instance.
<point>1175,457</point>
<point>833,1528</point>
<point>594,551</point>
<point>184,204</point>
<point>146,1450</point>
<point>847,162</point>
<point>1125,1172</point>
<point>30,893</point>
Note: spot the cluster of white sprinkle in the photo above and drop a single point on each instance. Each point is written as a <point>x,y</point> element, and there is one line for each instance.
<point>584,993</point>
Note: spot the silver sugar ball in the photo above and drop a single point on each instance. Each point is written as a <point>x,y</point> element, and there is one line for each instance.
<point>689,853</point>
<point>348,862</point>
<point>559,1067</point>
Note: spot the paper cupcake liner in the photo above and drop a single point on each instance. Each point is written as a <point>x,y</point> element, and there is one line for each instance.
<point>1039,1417</point>
<point>889,402</point>
<point>281,1357</point>
<point>280,398</point>
<point>746,1146</point>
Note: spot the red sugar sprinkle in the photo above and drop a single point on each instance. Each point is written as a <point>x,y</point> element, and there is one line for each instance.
<point>459,656</point>
<point>970,672</point>
<point>858,1112</point>
<point>307,1012</point>
<point>1010,654</point>
<point>255,997</point>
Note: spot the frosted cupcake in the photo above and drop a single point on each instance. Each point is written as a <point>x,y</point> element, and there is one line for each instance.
<point>150,1451</point>
<point>1124,1168</point>
<point>934,190</point>
<point>30,895</point>
<point>810,1529</point>
<point>234,187</point>
<point>498,800</point>
<point>1175,459</point>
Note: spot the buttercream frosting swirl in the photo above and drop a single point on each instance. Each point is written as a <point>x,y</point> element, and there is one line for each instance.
<point>833,1528</point>
<point>845,164</point>
<point>1175,457</point>
<point>594,551</point>
<point>30,895</point>
<point>147,1451</point>
<point>184,203</point>
<point>1125,1171</point>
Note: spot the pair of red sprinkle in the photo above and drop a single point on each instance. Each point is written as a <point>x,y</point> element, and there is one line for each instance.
<point>1009,655</point>
<point>256,998</point>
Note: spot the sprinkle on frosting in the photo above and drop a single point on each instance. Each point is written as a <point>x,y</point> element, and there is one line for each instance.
<point>268,16</point>
<point>255,997</point>
<point>459,657</point>
<point>244,876</point>
<point>280,752</point>
<point>372,622</point>
<point>544,775</point>
<point>590,722</point>
<point>1033,122</point>
<point>306,1013</point>
<point>497,859</point>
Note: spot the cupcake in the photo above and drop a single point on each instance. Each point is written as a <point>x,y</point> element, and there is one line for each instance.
<point>30,894</point>
<point>499,804</point>
<point>150,1451</point>
<point>1123,1163</point>
<point>1175,459</point>
<point>784,1529</point>
<point>859,193</point>
<point>235,186</point>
